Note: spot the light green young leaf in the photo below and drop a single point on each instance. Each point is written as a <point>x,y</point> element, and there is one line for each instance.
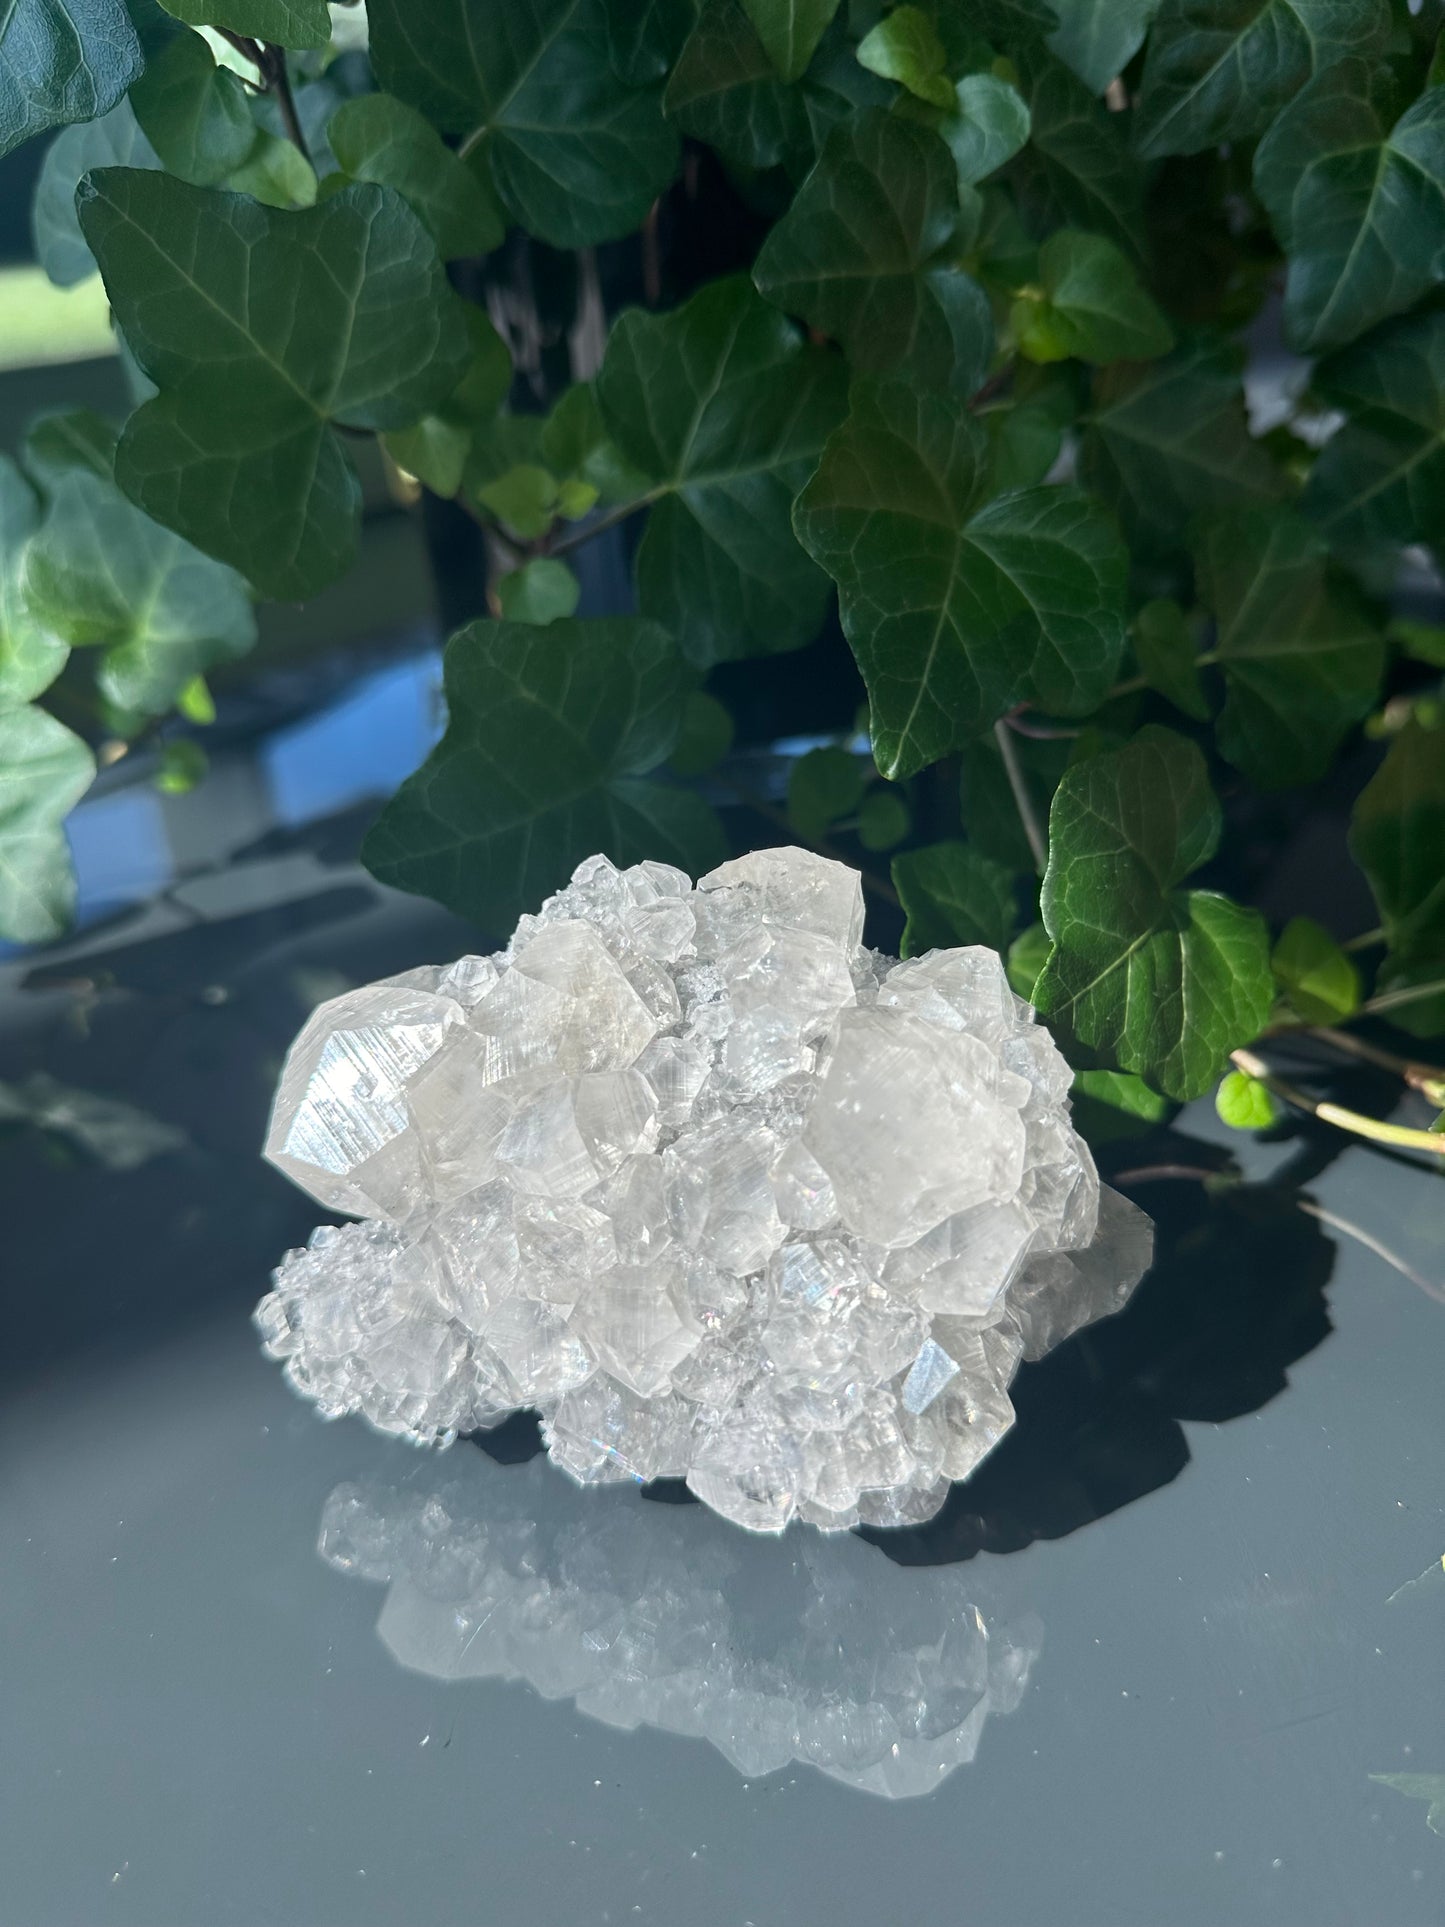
<point>115,140</point>
<point>194,113</point>
<point>822,786</point>
<point>1166,981</point>
<point>550,737</point>
<point>1354,181</point>
<point>277,174</point>
<point>705,737</point>
<point>575,444</point>
<point>540,592</point>
<point>1077,166</point>
<point>1090,304</point>
<point>957,603</point>
<point>1381,478</point>
<point>434,451</point>
<point>1244,1103</point>
<point>987,124</point>
<point>377,138</point>
<point>31,655</point>
<point>723,409</point>
<point>575,154</point>
<point>1397,833</point>
<point>951,895</point>
<point>1220,70</point>
<point>184,765</point>
<point>99,573</point>
<point>44,770</point>
<point>1165,650</point>
<point>867,253</point>
<point>1420,641</point>
<point>904,46</point>
<point>1098,38</point>
<point>790,30</point>
<point>883,818</point>
<point>261,329</point>
<point>74,438</point>
<point>286,23</point>
<point>1319,979</point>
<point>62,61</point>
<point>1301,653</point>
<point>1168,439</point>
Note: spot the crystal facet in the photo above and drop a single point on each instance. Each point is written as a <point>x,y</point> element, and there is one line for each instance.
<point>724,1194</point>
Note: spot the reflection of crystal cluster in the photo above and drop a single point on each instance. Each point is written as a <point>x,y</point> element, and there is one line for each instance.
<point>879,1675</point>
<point>724,1194</point>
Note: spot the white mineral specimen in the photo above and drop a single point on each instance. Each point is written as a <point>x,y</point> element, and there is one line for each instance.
<point>725,1195</point>
<point>878,1675</point>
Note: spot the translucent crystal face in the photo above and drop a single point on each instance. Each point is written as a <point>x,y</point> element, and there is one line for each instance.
<point>720,1192</point>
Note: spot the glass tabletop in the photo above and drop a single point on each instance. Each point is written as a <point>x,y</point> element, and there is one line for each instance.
<point>1174,1654</point>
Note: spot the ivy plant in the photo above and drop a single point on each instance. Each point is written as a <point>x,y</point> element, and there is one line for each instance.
<point>1072,376</point>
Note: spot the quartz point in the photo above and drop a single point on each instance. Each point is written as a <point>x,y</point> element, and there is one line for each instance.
<point>723,1194</point>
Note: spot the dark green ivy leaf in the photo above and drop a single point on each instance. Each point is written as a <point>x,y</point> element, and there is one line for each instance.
<point>1098,38</point>
<point>987,808</point>
<point>31,654</point>
<point>646,37</point>
<point>194,113</point>
<point>986,125</point>
<point>1168,439</point>
<point>951,895</point>
<point>1220,70</point>
<point>823,785</point>
<point>44,770</point>
<point>1301,653</point>
<point>285,23</point>
<point>115,140</point>
<point>1166,981</point>
<point>377,138</point>
<point>1397,834</point>
<point>62,61</point>
<point>261,329</point>
<point>1354,181</point>
<point>868,254</point>
<point>1077,166</point>
<point>1381,478</point>
<point>958,603</point>
<point>1089,304</point>
<point>704,737</point>
<point>577,156</point>
<point>790,30</point>
<point>74,438</point>
<point>550,737</point>
<point>100,573</point>
<point>883,818</point>
<point>723,409</point>
<point>1165,651</point>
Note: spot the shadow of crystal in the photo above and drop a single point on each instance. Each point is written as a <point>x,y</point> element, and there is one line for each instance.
<point>811,1649</point>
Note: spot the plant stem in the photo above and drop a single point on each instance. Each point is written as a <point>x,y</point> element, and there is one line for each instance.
<point>760,806</point>
<point>612,518</point>
<point>1366,940</point>
<point>1373,1128</point>
<point>1028,815</point>
<point>273,68</point>
<point>1429,1078</point>
<point>244,45</point>
<point>1406,994</point>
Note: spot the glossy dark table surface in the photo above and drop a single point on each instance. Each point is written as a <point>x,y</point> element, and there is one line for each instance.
<point>1185,1615</point>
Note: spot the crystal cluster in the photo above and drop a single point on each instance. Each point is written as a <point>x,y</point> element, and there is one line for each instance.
<point>878,1675</point>
<point>725,1195</point>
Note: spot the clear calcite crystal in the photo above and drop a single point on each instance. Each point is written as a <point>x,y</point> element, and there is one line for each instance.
<point>723,1194</point>
<point>880,1676</point>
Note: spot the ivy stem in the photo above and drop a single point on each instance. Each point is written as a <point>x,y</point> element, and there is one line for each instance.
<point>1366,940</point>
<point>760,806</point>
<point>273,70</point>
<point>244,45</point>
<point>1373,1128</point>
<point>581,536</point>
<point>1028,815</point>
<point>1406,994</point>
<point>1427,1078</point>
